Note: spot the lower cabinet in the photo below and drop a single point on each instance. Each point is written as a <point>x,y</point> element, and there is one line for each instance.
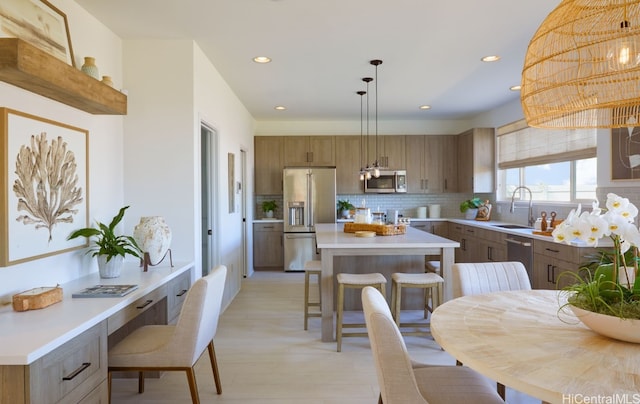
<point>550,260</point>
<point>176,293</point>
<point>268,248</point>
<point>72,373</point>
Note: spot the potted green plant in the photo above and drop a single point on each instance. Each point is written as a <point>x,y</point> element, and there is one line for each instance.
<point>109,248</point>
<point>470,207</point>
<point>268,207</point>
<point>344,208</point>
<point>605,295</point>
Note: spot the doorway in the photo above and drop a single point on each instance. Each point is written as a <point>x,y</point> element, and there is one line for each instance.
<point>243,201</point>
<point>208,175</point>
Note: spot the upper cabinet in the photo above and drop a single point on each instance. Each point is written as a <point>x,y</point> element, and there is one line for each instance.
<point>390,151</point>
<point>269,162</point>
<point>314,151</point>
<point>476,160</point>
<point>348,165</point>
<point>25,66</point>
<point>431,163</point>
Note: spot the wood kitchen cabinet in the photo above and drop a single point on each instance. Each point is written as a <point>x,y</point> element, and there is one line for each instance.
<point>268,249</point>
<point>268,164</point>
<point>439,228</point>
<point>449,159</point>
<point>476,161</point>
<point>424,164</point>
<point>312,151</point>
<point>390,151</point>
<point>348,165</point>
<point>551,259</point>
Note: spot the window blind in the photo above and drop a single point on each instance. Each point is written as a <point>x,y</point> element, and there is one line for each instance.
<point>520,145</point>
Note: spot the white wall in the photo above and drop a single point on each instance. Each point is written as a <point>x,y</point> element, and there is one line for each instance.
<point>89,38</point>
<point>218,106</point>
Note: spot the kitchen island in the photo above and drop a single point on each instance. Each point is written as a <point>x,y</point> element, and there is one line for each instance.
<point>334,242</point>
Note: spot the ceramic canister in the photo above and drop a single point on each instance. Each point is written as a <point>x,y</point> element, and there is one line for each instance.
<point>434,211</point>
<point>421,212</point>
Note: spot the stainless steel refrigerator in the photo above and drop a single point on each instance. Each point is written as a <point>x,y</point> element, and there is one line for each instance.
<point>309,197</point>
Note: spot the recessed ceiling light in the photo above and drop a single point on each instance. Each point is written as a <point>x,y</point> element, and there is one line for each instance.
<point>491,58</point>
<point>425,107</point>
<point>515,88</point>
<point>279,108</point>
<point>262,59</point>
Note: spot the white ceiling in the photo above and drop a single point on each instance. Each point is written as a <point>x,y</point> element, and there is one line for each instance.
<point>321,49</point>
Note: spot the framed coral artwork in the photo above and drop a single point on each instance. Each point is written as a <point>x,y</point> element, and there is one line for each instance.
<point>43,187</point>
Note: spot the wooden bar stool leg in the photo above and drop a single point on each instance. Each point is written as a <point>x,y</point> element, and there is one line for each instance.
<point>398,303</point>
<point>340,314</point>
<point>306,299</point>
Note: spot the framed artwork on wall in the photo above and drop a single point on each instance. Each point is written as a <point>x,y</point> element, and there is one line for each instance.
<point>39,23</point>
<point>43,187</point>
<point>625,153</point>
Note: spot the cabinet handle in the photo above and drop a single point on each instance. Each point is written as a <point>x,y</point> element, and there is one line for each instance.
<point>553,274</point>
<point>445,183</point>
<point>182,292</point>
<point>77,371</point>
<point>267,227</point>
<point>470,231</point>
<point>549,275</point>
<point>553,251</point>
<point>145,304</point>
<point>489,254</point>
<point>420,226</point>
<point>463,244</point>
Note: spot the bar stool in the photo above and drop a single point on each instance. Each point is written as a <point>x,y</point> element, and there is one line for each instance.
<point>311,268</point>
<point>433,266</point>
<point>432,284</point>
<point>355,281</point>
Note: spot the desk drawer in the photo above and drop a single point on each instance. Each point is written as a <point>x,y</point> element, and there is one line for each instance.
<point>135,309</point>
<point>71,371</point>
<point>176,293</point>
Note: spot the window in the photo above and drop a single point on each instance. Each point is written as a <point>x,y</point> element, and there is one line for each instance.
<point>556,165</point>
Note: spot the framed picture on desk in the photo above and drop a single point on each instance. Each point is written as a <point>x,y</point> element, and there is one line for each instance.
<point>43,186</point>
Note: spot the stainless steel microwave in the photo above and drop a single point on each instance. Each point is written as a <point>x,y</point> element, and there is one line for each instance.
<point>389,181</point>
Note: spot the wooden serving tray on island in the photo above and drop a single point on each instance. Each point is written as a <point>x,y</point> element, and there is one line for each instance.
<point>379,229</point>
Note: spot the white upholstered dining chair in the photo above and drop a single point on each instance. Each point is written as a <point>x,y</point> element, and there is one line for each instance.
<point>403,381</point>
<point>486,277</point>
<point>169,347</point>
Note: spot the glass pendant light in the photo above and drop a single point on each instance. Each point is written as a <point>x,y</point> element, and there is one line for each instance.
<point>368,168</point>
<point>376,165</point>
<point>362,171</point>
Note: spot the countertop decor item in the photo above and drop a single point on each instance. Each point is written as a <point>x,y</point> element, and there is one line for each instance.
<point>268,207</point>
<point>153,236</point>
<point>37,298</point>
<point>109,248</point>
<point>470,207</point>
<point>611,289</point>
<point>586,44</point>
<point>89,68</point>
<point>344,208</point>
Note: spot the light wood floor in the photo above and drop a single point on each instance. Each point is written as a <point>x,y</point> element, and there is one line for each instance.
<point>265,356</point>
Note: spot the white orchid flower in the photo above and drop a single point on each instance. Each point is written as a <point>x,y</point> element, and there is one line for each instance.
<point>616,203</point>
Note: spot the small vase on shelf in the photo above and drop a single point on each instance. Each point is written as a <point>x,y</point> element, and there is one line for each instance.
<point>89,67</point>
<point>107,80</point>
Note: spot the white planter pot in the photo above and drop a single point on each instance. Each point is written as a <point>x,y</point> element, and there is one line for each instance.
<point>153,236</point>
<point>471,213</point>
<point>112,268</point>
<point>613,327</point>
<point>269,213</point>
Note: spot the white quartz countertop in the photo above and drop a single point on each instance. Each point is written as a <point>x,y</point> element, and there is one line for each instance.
<point>28,335</point>
<point>332,235</point>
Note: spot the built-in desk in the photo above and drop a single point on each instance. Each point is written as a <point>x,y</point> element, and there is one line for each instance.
<point>69,339</point>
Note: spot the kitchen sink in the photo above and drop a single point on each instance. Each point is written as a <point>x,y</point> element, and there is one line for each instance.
<point>511,226</point>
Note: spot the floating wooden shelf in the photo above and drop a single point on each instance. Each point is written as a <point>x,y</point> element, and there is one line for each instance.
<point>25,66</point>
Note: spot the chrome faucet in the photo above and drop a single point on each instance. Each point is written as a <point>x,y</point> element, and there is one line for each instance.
<point>513,204</point>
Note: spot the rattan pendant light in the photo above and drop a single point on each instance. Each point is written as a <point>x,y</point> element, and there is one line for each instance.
<point>582,67</point>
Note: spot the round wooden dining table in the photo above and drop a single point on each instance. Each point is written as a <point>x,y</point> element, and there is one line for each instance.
<point>523,340</point>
